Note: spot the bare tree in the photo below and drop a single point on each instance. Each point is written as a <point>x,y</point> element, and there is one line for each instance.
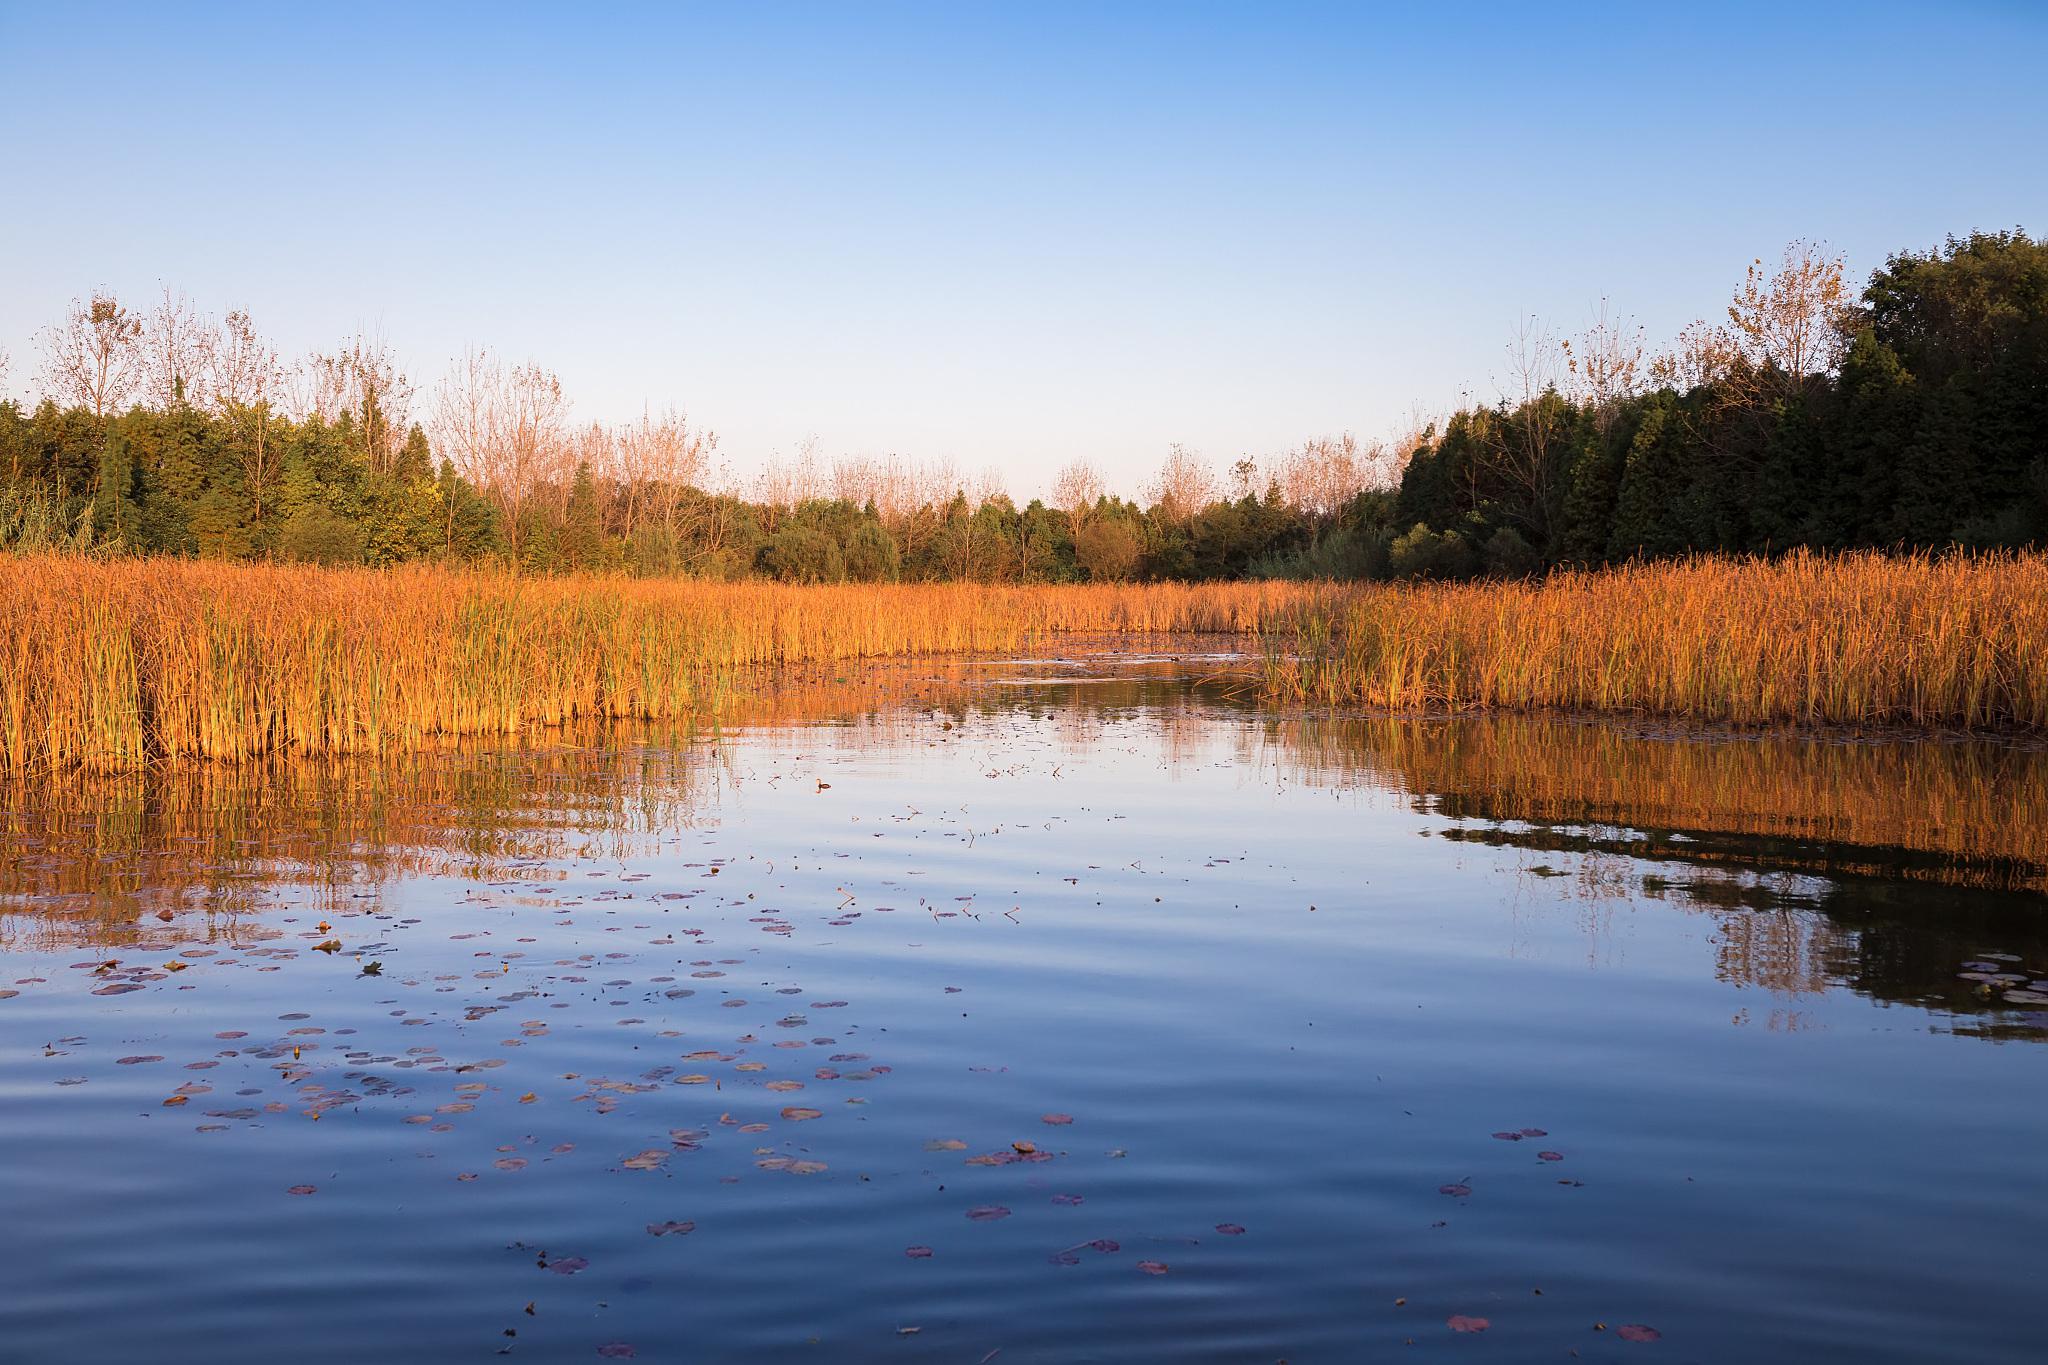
<point>783,486</point>
<point>1606,365</point>
<point>364,380</point>
<point>245,375</point>
<point>1524,446</point>
<point>1791,320</point>
<point>660,459</point>
<point>177,352</point>
<point>1076,489</point>
<point>505,429</point>
<point>1320,479</point>
<point>1185,484</point>
<point>92,359</point>
<point>1702,355</point>
<point>988,488</point>
<point>1784,327</point>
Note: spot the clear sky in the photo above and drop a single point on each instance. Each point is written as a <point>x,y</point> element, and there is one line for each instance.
<point>1005,235</point>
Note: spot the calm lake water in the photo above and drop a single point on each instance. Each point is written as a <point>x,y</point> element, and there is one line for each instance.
<point>1051,1010</point>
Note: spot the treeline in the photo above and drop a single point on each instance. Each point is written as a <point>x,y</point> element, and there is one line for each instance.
<point>1913,415</point>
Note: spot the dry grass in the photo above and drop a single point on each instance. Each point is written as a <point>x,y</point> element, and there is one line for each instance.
<point>1955,642</point>
<point>109,664</point>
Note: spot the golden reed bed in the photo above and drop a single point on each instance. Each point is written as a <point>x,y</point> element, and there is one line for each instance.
<point>110,664</point>
<point>1953,641</point>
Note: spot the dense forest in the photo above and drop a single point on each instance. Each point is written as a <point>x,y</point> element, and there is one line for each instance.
<point>1913,415</point>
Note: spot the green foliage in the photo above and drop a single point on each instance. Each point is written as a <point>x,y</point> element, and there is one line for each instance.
<point>1107,547</point>
<point>1422,553</point>
<point>313,534</point>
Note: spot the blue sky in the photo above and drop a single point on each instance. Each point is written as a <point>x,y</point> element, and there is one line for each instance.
<point>1008,236</point>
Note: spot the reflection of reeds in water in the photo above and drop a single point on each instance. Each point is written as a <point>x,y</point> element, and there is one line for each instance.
<point>1856,639</point>
<point>1796,847</point>
<point>99,859</point>
<point>1964,811</point>
<point>107,664</point>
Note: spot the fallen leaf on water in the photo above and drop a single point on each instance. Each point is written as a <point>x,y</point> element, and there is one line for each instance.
<point>649,1160</point>
<point>1455,1191</point>
<point>918,1253</point>
<point>664,1229</point>
<point>568,1265</point>
<point>1153,1267</point>
<point>1056,1119</point>
<point>1636,1331</point>
<point>302,1189</point>
<point>1460,1323</point>
<point>987,1213</point>
<point>617,1350</point>
<point>797,1113</point>
<point>1230,1229</point>
<point>945,1145</point>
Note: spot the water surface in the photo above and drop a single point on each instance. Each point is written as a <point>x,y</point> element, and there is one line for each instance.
<point>1038,1010</point>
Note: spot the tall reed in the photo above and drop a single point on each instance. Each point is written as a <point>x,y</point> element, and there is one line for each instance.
<point>108,664</point>
<point>1954,641</point>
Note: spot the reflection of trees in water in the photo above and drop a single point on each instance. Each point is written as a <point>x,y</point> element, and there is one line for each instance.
<point>1823,862</point>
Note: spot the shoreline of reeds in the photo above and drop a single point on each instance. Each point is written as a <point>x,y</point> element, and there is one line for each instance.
<point>1953,642</point>
<point>110,664</point>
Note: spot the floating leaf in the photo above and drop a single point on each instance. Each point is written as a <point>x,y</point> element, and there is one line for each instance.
<point>1231,1229</point>
<point>1154,1267</point>
<point>987,1213</point>
<point>302,1189</point>
<point>1460,1323</point>
<point>797,1113</point>
<point>664,1229</point>
<point>919,1253</point>
<point>1636,1331</point>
